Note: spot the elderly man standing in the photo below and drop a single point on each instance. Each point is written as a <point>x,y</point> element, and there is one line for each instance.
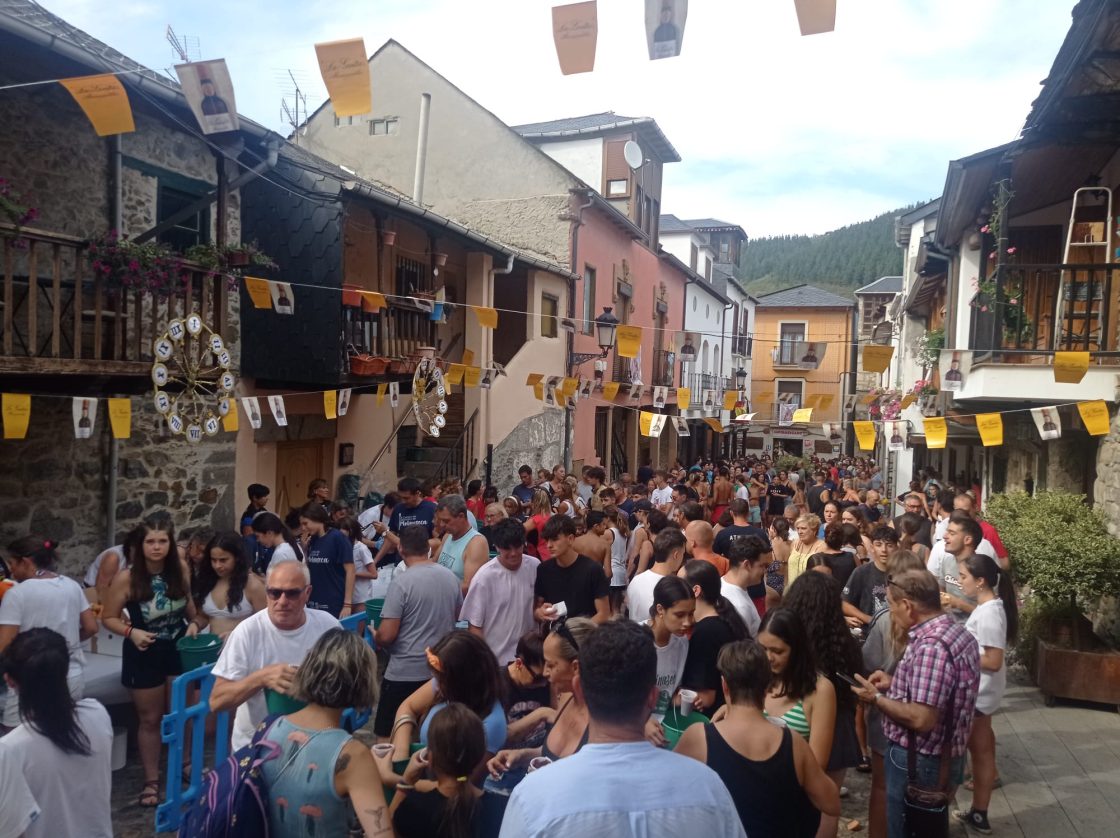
<point>939,670</point>
<point>499,606</point>
<point>265,649</point>
<point>464,549</point>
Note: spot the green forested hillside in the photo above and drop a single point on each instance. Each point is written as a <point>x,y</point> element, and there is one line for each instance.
<point>840,261</point>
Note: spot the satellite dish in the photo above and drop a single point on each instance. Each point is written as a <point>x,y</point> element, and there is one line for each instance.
<point>632,153</point>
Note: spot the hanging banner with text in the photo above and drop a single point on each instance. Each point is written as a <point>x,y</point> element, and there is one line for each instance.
<point>346,74</point>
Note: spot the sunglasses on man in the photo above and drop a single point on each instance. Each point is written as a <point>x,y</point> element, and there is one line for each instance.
<point>290,593</point>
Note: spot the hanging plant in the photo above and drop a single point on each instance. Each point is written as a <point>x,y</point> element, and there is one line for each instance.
<point>887,404</point>
<point>242,255</point>
<point>15,209</point>
<point>142,266</point>
<point>928,346</point>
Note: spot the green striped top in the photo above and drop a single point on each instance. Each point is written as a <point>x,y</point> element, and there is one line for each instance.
<point>795,719</point>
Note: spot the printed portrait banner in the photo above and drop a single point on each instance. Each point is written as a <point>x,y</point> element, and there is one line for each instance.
<point>209,92</point>
<point>1070,367</point>
<point>877,358</point>
<point>682,426</point>
<point>343,401</point>
<point>865,435</point>
<point>345,68</point>
<point>84,412</point>
<point>276,405</point>
<point>896,433</point>
<point>832,430</point>
<point>636,391</point>
<point>955,366</point>
<point>684,398</point>
<point>990,427</point>
<point>251,406</point>
<point>394,393</point>
<point>586,385</point>
<point>809,354</point>
<point>936,430</point>
<point>785,413</point>
<point>575,30</point>
<point>104,101</point>
<point>1048,421</point>
<point>665,21</point>
<point>1095,417</point>
<point>659,395</point>
<point>283,300</point>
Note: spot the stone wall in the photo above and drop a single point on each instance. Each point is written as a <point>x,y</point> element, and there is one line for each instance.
<point>1106,491</point>
<point>536,441</point>
<point>55,486</point>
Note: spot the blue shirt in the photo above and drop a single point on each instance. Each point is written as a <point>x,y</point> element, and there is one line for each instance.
<point>423,513</point>
<point>627,789</point>
<point>327,557</point>
<point>494,724</point>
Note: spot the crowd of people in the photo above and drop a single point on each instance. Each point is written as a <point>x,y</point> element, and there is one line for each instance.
<point>707,648</point>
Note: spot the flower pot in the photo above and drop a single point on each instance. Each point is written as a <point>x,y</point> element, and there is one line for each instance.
<point>1084,675</point>
<point>439,259</point>
<point>389,237</point>
<point>351,295</point>
<point>237,258</point>
<point>575,29</point>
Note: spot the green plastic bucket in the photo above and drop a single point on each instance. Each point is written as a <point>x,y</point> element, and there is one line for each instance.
<point>199,650</point>
<point>674,724</point>
<point>399,766</point>
<point>373,611</point>
<point>282,703</point>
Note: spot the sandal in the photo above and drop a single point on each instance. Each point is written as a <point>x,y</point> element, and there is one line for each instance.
<point>149,795</point>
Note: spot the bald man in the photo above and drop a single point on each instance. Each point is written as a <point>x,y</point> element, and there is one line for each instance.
<point>699,536</point>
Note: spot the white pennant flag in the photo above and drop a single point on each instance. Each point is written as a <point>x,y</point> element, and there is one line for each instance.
<point>394,393</point>
<point>276,404</point>
<point>252,407</point>
<point>1048,422</point>
<point>682,426</point>
<point>85,417</point>
<point>343,401</point>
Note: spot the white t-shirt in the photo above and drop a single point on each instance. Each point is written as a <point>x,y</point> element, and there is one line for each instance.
<point>90,579</point>
<point>743,492</point>
<point>256,643</point>
<point>639,594</point>
<point>57,604</point>
<point>363,560</point>
<point>670,668</point>
<point>74,789</point>
<point>743,604</point>
<point>988,624</point>
<point>939,529</point>
<point>661,497</point>
<point>936,563</point>
<point>283,553</point>
<point>500,602</point>
<point>18,809</point>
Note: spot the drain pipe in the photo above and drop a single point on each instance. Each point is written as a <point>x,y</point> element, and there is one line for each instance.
<point>421,149</point>
<point>577,222</point>
<point>488,350</point>
<point>117,205</point>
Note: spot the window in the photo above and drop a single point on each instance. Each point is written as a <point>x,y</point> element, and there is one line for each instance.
<point>618,188</point>
<point>187,232</point>
<point>724,250</point>
<point>347,120</point>
<point>383,127</point>
<point>707,269</point>
<point>588,300</point>
<point>550,310</point>
<point>790,391</point>
<point>790,334</point>
<point>693,257</point>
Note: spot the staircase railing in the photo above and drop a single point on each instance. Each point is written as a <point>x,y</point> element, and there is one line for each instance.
<point>462,457</point>
<point>384,447</point>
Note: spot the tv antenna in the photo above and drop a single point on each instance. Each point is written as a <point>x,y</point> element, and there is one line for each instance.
<point>185,47</point>
<point>291,113</point>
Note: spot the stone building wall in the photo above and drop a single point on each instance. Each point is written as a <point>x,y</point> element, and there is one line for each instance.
<point>54,486</point>
<point>1107,488</point>
<point>536,441</point>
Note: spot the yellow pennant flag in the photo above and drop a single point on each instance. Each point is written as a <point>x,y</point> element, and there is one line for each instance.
<point>990,426</point>
<point>730,397</point>
<point>826,400</point>
<point>629,341</point>
<point>803,414</point>
<point>569,386</point>
<point>645,419</point>
<point>1093,414</point>
<point>471,376</point>
<point>533,378</point>
<point>610,390</point>
<point>455,374</point>
<point>714,424</point>
<point>865,435</point>
<point>813,401</point>
<point>230,422</point>
<point>16,408</point>
<point>382,388</point>
<point>373,301</point>
<point>105,102</point>
<point>538,390</point>
<point>936,430</point>
<point>468,358</point>
<point>877,358</point>
<point>120,417</point>
<point>487,317</point>
<point>330,404</point>
<point>346,74</point>
<point>908,400</point>
<point>684,397</point>
<point>259,292</point>
<point>1070,367</point>
<point>870,398</point>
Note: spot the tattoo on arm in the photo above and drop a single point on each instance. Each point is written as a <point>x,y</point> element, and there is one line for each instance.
<point>379,815</point>
<point>342,763</point>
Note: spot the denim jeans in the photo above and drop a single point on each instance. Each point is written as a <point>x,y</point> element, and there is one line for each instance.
<point>928,772</point>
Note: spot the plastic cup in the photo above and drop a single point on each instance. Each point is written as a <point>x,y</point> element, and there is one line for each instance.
<point>422,756</point>
<point>688,698</point>
<point>538,762</point>
<point>561,609</point>
<point>382,750</point>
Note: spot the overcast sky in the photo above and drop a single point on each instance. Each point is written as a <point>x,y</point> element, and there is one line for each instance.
<point>779,133</point>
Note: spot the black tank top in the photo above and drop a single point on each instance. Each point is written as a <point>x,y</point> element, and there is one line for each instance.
<point>767,794</point>
<point>813,499</point>
<point>547,751</point>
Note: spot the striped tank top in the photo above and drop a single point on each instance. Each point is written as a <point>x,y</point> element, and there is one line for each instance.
<point>795,719</point>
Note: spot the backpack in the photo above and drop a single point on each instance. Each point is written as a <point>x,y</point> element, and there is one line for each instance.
<point>233,802</point>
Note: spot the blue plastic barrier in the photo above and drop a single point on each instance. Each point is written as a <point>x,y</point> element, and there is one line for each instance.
<point>173,733</point>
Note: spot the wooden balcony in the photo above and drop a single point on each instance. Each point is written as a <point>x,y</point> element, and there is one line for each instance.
<point>58,318</point>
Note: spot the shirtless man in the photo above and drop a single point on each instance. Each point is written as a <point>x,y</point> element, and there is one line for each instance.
<point>596,542</point>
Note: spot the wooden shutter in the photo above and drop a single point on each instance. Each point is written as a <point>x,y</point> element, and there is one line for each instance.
<point>614,164</point>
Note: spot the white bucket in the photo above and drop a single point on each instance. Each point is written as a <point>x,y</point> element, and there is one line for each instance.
<point>120,748</point>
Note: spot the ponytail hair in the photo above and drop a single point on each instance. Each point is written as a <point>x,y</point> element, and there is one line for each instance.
<point>982,566</point>
<point>456,747</point>
<point>37,660</point>
<point>41,551</point>
<point>703,575</point>
<point>270,522</point>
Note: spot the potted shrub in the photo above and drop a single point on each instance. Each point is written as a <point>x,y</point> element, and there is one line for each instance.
<point>245,254</point>
<point>14,207</point>
<point>124,264</point>
<point>1061,550</point>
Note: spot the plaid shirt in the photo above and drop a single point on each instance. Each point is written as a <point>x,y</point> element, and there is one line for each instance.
<point>941,659</point>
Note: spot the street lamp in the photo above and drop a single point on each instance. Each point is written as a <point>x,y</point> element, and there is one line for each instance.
<point>606,327</point>
<point>741,378</point>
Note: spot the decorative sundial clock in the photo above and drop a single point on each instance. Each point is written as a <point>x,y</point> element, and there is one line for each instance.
<point>191,372</point>
<point>429,397</point>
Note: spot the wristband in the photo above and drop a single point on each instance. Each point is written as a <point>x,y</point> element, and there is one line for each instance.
<point>403,786</point>
<point>127,632</point>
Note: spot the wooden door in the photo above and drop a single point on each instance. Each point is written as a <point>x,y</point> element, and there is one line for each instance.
<point>297,463</point>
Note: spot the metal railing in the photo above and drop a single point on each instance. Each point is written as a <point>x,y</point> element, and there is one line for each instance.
<point>701,382</point>
<point>461,457</point>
